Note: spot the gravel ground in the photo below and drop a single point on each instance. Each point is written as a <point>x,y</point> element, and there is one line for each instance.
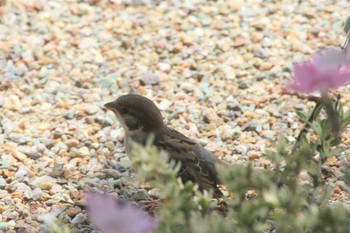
<point>216,69</point>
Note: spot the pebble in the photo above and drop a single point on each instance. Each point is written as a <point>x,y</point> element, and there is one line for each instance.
<point>90,109</point>
<point>69,114</point>
<point>150,79</point>
<point>3,183</point>
<point>12,102</point>
<point>140,194</point>
<point>125,162</point>
<point>22,172</point>
<point>24,190</point>
<point>44,182</point>
<point>37,194</point>
<point>164,105</point>
<point>269,134</point>
<point>73,211</point>
<point>79,218</point>
<point>84,151</point>
<point>112,173</point>
<point>72,142</point>
<point>164,67</point>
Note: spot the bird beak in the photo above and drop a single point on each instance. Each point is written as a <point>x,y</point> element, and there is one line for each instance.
<point>109,105</point>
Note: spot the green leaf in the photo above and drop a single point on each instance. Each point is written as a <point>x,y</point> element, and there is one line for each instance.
<point>301,116</point>
<point>304,140</point>
<point>317,128</point>
<point>347,25</point>
<point>328,152</point>
<point>340,110</point>
<point>336,141</point>
<point>346,119</point>
<point>317,111</point>
<point>326,128</point>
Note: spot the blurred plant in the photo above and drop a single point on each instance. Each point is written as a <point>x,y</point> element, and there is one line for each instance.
<point>55,227</point>
<point>53,224</point>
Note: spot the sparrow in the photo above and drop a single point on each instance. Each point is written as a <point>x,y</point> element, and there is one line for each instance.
<point>140,118</point>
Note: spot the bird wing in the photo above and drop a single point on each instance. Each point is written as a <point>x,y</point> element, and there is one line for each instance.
<point>197,164</point>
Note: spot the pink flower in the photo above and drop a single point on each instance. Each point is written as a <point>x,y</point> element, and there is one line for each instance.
<point>328,69</point>
<point>112,215</point>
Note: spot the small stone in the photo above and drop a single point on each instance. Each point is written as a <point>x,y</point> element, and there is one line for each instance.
<point>239,42</point>
<point>69,114</point>
<point>343,186</point>
<point>219,154</point>
<point>57,134</point>
<point>112,173</point>
<point>186,39</point>
<point>37,194</point>
<point>150,79</point>
<point>55,189</point>
<point>72,142</point>
<point>331,161</point>
<point>22,172</point>
<point>337,190</point>
<point>24,190</point>
<point>107,121</point>
<point>254,155</point>
<point>235,5</point>
<point>45,185</point>
<point>3,183</point>
<point>90,109</point>
<point>140,194</point>
<point>164,105</point>
<point>154,192</point>
<point>269,134</point>
<point>21,70</point>
<point>304,176</point>
<point>57,169</point>
<point>7,125</point>
<point>41,148</point>
<point>84,151</point>
<point>251,194</point>
<point>49,202</point>
<point>261,53</point>
<point>250,126</point>
<point>73,211</point>
<point>265,66</point>
<point>11,223</point>
<point>165,67</point>
<point>43,126</point>
<point>342,163</point>
<point>242,84</point>
<point>79,218</point>
<point>214,146</point>
<point>25,110</point>
<point>44,182</point>
<point>125,162</point>
<point>12,102</point>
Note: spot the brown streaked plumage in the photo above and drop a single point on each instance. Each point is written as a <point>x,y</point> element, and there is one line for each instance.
<point>140,117</point>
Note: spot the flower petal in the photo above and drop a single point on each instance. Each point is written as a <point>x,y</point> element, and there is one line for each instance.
<point>112,215</point>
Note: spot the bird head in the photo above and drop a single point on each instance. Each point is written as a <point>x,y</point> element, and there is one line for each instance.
<point>135,112</point>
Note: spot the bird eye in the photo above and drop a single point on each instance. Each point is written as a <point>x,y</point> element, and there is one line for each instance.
<point>132,125</point>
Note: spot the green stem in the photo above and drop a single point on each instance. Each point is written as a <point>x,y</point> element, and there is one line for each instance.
<point>332,114</point>
<point>313,116</point>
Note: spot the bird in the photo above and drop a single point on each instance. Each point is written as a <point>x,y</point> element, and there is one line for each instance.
<point>140,118</point>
